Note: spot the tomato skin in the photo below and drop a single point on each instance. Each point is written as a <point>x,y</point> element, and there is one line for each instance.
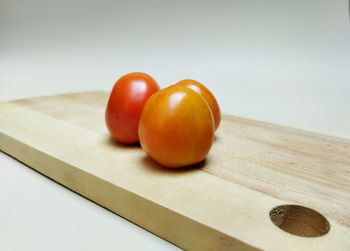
<point>126,101</point>
<point>207,95</point>
<point>176,127</point>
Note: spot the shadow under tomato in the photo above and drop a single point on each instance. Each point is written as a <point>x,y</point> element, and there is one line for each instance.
<point>217,138</point>
<point>152,165</point>
<point>112,142</point>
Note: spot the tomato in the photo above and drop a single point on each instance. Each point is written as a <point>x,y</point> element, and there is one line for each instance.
<point>125,104</point>
<point>207,95</point>
<point>176,127</point>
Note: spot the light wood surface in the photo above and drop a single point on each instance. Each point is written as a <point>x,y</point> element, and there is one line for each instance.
<point>223,203</point>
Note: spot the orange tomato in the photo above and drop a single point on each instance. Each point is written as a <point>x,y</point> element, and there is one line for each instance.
<point>125,104</point>
<point>176,127</point>
<point>207,95</point>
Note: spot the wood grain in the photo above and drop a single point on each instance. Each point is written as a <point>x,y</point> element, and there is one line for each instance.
<point>222,203</point>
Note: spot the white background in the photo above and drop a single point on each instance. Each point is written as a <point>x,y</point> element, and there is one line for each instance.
<point>283,61</point>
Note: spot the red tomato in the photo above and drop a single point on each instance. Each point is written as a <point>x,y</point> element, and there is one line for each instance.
<point>126,101</point>
<point>207,95</point>
<point>176,127</point>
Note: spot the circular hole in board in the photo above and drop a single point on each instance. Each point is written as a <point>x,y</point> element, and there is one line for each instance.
<point>299,220</point>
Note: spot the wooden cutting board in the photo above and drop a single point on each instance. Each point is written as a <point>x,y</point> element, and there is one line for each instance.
<point>223,203</point>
